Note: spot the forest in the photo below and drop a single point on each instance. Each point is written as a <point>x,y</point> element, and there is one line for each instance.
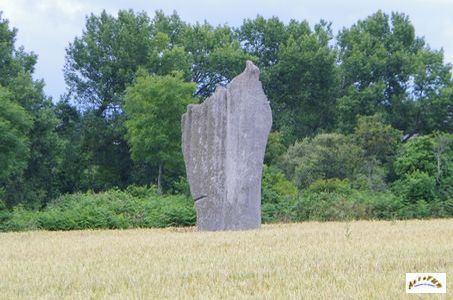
<point>362,121</point>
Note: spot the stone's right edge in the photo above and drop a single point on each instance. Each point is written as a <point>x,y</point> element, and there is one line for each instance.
<point>223,142</point>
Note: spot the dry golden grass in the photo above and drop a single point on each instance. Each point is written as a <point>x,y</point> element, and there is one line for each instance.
<point>357,260</point>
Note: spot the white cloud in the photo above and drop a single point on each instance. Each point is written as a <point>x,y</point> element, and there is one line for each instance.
<point>46,27</point>
<point>68,8</point>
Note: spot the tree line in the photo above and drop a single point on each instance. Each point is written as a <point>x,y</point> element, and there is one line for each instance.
<point>364,110</point>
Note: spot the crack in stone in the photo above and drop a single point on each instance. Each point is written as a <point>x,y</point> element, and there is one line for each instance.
<point>199,198</point>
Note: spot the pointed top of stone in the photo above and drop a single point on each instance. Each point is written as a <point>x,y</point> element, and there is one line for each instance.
<point>250,68</point>
<point>251,74</point>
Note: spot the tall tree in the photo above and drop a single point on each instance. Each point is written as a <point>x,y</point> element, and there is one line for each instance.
<point>262,38</point>
<point>380,143</point>
<point>100,65</point>
<point>216,56</point>
<point>15,123</point>
<point>103,61</point>
<point>36,184</point>
<point>424,170</point>
<point>72,161</point>
<point>385,68</point>
<point>154,105</point>
<point>12,60</point>
<point>302,85</point>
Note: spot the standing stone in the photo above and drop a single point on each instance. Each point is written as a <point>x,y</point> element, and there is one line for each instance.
<point>223,142</point>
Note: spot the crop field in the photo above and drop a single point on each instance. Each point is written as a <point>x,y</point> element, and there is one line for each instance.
<point>356,260</point>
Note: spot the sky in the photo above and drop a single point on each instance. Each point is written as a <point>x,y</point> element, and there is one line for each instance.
<point>46,27</point>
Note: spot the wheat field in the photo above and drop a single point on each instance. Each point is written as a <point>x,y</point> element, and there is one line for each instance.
<point>356,260</point>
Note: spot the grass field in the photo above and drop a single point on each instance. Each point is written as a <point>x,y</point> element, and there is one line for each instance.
<point>357,260</point>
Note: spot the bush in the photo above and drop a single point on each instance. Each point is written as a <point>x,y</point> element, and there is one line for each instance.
<point>336,200</point>
<point>330,200</point>
<point>278,195</point>
<point>323,200</point>
<point>331,186</point>
<point>4,213</point>
<point>383,205</point>
<point>19,219</point>
<point>416,186</point>
<point>174,210</point>
<point>418,154</point>
<point>114,209</point>
<point>325,156</point>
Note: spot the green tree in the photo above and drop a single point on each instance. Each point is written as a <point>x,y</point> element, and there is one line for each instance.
<point>262,38</point>
<point>416,186</point>
<point>12,60</point>
<point>376,138</point>
<point>99,66</point>
<point>104,59</point>
<point>154,105</point>
<point>416,154</point>
<point>37,183</point>
<point>443,152</point>
<point>73,160</point>
<point>386,69</point>
<point>379,142</point>
<point>216,56</point>
<point>15,123</point>
<point>302,84</point>
<point>275,148</point>
<point>424,169</point>
<point>278,195</point>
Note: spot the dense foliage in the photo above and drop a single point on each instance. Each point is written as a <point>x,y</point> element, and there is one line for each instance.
<point>363,121</point>
<point>114,209</point>
<point>153,139</point>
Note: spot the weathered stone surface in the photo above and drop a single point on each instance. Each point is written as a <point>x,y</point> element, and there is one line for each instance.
<point>223,143</point>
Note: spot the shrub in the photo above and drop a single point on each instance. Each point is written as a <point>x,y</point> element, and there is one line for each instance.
<point>330,200</point>
<point>418,154</point>
<point>330,186</point>
<point>324,156</point>
<point>278,195</point>
<point>336,200</point>
<point>175,210</point>
<point>19,219</point>
<point>416,186</point>
<point>142,191</point>
<point>4,214</point>
<point>114,209</point>
<point>383,205</point>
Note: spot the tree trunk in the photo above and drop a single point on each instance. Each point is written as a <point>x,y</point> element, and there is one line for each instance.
<point>159,178</point>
